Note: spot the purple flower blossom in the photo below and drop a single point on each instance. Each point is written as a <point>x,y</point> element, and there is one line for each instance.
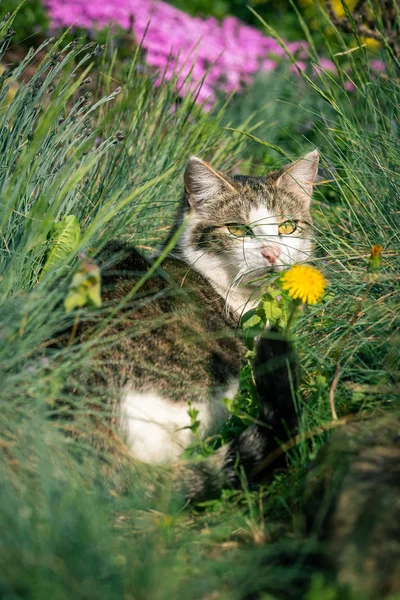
<point>378,65</point>
<point>299,65</point>
<point>178,44</point>
<point>327,65</point>
<point>202,54</point>
<point>349,86</point>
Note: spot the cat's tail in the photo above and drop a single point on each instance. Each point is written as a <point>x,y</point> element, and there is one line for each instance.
<point>276,382</point>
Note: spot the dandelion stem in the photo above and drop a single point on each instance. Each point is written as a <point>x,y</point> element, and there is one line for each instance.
<point>295,306</point>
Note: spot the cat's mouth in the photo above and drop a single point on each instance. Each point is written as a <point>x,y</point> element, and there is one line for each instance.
<point>256,273</point>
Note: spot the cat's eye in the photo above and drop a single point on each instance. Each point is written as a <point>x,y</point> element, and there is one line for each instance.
<point>287,227</point>
<point>239,230</point>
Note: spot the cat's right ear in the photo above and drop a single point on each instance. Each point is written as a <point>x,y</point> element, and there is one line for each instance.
<point>203,183</point>
<point>298,178</point>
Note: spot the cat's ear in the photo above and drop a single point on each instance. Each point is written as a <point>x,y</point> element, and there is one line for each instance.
<point>203,183</point>
<point>298,178</point>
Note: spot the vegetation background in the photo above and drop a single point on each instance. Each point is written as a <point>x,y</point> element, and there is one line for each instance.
<point>92,149</point>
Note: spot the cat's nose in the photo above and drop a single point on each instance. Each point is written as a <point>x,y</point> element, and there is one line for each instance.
<point>271,253</point>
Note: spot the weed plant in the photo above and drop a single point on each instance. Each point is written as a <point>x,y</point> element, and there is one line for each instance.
<point>113,161</point>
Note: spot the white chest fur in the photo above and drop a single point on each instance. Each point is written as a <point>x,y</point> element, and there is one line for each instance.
<point>158,430</point>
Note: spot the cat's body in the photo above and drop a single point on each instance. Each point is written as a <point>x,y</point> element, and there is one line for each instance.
<point>176,343</point>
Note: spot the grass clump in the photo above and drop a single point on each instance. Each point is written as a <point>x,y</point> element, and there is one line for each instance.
<point>103,158</point>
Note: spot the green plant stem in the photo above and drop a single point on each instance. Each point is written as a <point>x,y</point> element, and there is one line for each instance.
<point>296,304</point>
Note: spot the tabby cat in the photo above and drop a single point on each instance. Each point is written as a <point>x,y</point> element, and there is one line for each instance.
<point>175,340</point>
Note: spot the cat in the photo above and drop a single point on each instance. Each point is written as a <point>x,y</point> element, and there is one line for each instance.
<point>176,341</point>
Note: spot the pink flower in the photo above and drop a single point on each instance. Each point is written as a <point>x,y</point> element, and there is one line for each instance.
<point>268,65</point>
<point>225,55</point>
<point>299,65</point>
<point>327,65</point>
<point>378,65</point>
<point>349,86</point>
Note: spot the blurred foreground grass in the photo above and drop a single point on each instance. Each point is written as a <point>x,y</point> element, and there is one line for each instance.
<point>113,159</point>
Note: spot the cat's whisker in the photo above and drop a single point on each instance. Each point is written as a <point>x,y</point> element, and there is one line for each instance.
<point>237,283</point>
<point>231,288</point>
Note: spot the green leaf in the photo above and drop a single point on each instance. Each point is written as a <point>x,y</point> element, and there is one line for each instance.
<point>274,291</point>
<point>250,319</point>
<point>192,412</point>
<point>85,287</point>
<point>228,403</point>
<point>272,311</point>
<point>65,240</point>
<point>321,382</point>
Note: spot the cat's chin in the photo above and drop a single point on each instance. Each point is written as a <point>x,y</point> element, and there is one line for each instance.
<point>279,268</point>
<point>258,272</point>
<point>255,274</point>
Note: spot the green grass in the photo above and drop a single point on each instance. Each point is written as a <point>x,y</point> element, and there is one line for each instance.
<point>70,528</point>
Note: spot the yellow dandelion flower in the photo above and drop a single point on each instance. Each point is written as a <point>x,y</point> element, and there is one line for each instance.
<point>304,282</point>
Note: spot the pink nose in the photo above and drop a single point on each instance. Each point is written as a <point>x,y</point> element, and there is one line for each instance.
<point>271,253</point>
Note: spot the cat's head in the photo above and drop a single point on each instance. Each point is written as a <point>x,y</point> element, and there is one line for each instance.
<point>248,225</point>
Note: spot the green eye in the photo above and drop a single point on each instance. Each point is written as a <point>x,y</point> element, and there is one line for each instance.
<point>239,230</point>
<point>287,227</point>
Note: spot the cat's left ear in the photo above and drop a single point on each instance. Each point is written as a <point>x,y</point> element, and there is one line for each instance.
<point>298,178</point>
